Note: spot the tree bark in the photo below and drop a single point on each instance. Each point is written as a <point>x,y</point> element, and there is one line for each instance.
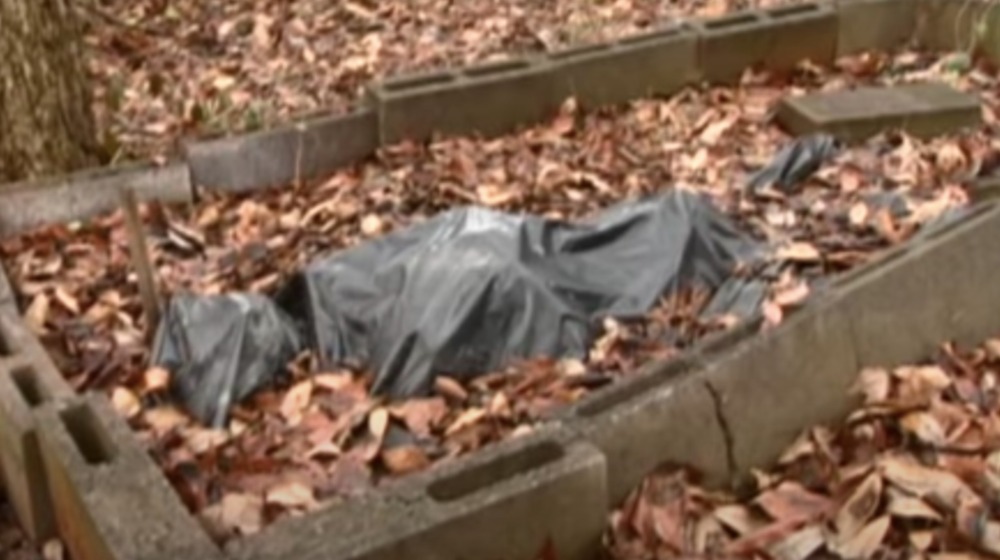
<point>46,117</point>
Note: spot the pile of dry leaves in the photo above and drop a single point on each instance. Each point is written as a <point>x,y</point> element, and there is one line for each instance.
<point>324,435</point>
<point>164,70</point>
<point>913,473</point>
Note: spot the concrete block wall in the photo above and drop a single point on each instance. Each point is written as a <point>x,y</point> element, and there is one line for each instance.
<point>72,467</point>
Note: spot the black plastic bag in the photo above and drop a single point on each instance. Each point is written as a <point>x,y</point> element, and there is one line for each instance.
<point>469,290</point>
<point>221,348</point>
<point>794,163</point>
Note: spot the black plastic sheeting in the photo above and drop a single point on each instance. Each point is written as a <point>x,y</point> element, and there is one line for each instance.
<point>467,291</point>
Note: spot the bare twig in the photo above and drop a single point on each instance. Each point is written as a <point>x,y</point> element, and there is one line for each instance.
<point>140,260</point>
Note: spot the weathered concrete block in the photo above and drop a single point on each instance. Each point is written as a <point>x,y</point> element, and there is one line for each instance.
<point>503,502</point>
<point>309,149</point>
<point>874,25</point>
<point>88,193</point>
<point>7,297</point>
<point>111,501</point>
<point>923,110</point>
<point>486,100</point>
<point>958,25</point>
<point>28,379</point>
<point>781,382</point>
<point>777,39</point>
<point>659,62</point>
<point>984,188</point>
<point>903,306</point>
<point>664,414</point>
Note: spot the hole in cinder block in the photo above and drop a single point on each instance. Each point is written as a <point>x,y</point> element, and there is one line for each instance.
<point>731,21</point>
<point>651,36</point>
<point>399,84</point>
<point>578,51</point>
<point>466,482</point>
<point>496,68</point>
<point>642,382</point>
<point>26,381</point>
<point>786,11</point>
<point>90,437</point>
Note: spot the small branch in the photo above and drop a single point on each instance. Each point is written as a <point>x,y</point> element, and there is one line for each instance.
<point>140,260</point>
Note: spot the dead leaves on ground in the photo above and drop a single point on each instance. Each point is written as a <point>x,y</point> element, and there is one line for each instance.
<point>912,473</point>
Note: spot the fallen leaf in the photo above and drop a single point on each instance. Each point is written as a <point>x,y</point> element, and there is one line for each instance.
<point>66,300</point>
<point>295,401</point>
<point>324,450</point>
<point>942,487</point>
<point>372,225</point>
<point>858,214</point>
<point>125,402</point>
<point>790,500</point>
<point>156,379</point>
<point>792,296</point>
<point>713,132</point>
<point>798,545</point>
<point>333,382</point>
<point>53,550</point>
<point>404,459</point>
<point>378,423</point>
<point>874,384</point>
<point>860,507</point>
<point>799,251</point>
<point>908,507</point>
<point>467,418</point>
<point>865,543</point>
<point>448,387</point>
<point>164,419</point>
<point>238,512</point>
<point>291,495</point>
<point>37,314</point>
<point>921,540</point>
<point>924,426</point>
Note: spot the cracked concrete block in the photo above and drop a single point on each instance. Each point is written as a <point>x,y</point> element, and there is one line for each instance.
<point>663,414</point>
<point>505,501</point>
<point>111,501</point>
<point>909,301</point>
<point>783,381</point>
<point>88,193</point>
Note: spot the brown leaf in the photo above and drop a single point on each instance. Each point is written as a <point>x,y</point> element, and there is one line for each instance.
<point>295,402</point>
<point>372,225</point>
<point>799,251</point>
<point>333,382</point>
<point>713,132</point>
<point>495,195</point>
<point>874,384</point>
<point>468,418</point>
<point>156,379</point>
<point>53,550</point>
<point>921,540</point>
<point>865,543</point>
<point>924,426</point>
<point>378,423</point>
<point>860,507</point>
<point>798,545</point>
<point>37,314</point>
<point>858,214</point>
<point>163,419</point>
<point>908,507</point>
<point>238,512</point>
<point>448,387</point>
<point>790,500</point>
<point>66,300</point>
<point>405,459</point>
<point>736,517</point>
<point>421,415</point>
<point>291,495</point>
<point>125,402</point>
<point>792,296</point>
<point>941,487</point>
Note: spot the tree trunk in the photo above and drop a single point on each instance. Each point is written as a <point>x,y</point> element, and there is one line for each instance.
<point>46,118</point>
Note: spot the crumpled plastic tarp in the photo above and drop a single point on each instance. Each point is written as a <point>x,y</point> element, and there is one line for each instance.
<point>794,163</point>
<point>460,294</point>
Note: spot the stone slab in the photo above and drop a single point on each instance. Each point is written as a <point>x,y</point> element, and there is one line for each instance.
<point>660,62</point>
<point>874,25</point>
<point>309,149</point>
<point>923,110</point>
<point>111,501</point>
<point>958,25</point>
<point>86,194</point>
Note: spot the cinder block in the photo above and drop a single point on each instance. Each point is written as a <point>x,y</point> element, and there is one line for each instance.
<point>7,297</point>
<point>664,414</point>
<point>111,501</point>
<point>958,25</point>
<point>777,39</point>
<point>486,100</point>
<point>903,306</point>
<point>660,62</point>
<point>783,381</point>
<point>28,379</point>
<point>923,110</point>
<point>302,151</point>
<point>502,502</point>
<point>88,193</point>
<point>874,25</point>
<point>984,188</point>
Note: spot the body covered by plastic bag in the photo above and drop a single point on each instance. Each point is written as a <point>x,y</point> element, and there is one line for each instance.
<point>221,348</point>
<point>472,289</point>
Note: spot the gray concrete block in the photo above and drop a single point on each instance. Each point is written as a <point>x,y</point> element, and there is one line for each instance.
<point>86,194</point>
<point>502,502</point>
<point>923,110</point>
<point>486,100</point>
<point>310,149</point>
<point>663,415</point>
<point>783,381</point>
<point>28,379</point>
<point>874,25</point>
<point>903,306</point>
<point>957,25</point>
<point>777,39</point>
<point>660,62</point>
<point>111,501</point>
<point>7,296</point>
